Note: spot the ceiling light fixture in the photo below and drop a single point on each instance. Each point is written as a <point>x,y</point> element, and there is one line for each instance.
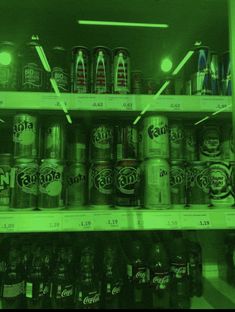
<point>125,24</point>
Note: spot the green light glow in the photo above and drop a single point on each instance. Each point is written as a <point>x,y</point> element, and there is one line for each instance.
<point>68,118</point>
<point>166,65</point>
<point>109,23</point>
<point>43,58</point>
<point>5,58</point>
<point>55,86</point>
<point>200,121</point>
<point>183,62</point>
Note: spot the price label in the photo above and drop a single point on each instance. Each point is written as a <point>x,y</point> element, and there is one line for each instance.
<point>194,220</point>
<point>157,220</point>
<point>127,106</point>
<point>7,224</point>
<point>230,219</point>
<point>121,103</point>
<point>54,225</point>
<point>98,105</point>
<point>90,102</point>
<point>220,106</point>
<point>86,222</point>
<point>175,107</point>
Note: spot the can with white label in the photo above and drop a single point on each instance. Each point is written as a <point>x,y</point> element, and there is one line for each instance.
<point>210,143</point>
<point>156,137</point>
<point>157,184</point>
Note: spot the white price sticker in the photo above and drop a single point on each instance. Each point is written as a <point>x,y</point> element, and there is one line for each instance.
<point>90,102</point>
<point>86,222</point>
<point>230,219</point>
<point>127,105</point>
<point>7,224</point>
<point>111,221</point>
<point>176,107</point>
<point>196,220</point>
<point>161,220</point>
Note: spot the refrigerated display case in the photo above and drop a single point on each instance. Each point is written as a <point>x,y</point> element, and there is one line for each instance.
<point>187,229</point>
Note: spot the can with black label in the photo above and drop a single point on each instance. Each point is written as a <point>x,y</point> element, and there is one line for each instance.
<point>24,185</point>
<point>210,143</point>
<point>5,172</point>
<point>177,183</point>
<point>101,142</point>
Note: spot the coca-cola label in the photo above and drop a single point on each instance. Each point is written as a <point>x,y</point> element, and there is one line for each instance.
<point>176,135</point>
<point>91,298</point>
<point>177,176</point>
<point>179,269</point>
<point>140,275</point>
<point>102,137</point>
<point>113,288</point>
<point>50,179</point>
<point>27,179</point>
<point>159,280</point>
<point>210,144</point>
<point>63,291</point>
<point>24,132</point>
<point>127,179</point>
<point>103,180</point>
<point>61,78</point>
<point>155,132</point>
<point>220,180</point>
<point>32,76</point>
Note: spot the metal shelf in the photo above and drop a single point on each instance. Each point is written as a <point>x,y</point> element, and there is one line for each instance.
<point>113,102</point>
<point>115,220</point>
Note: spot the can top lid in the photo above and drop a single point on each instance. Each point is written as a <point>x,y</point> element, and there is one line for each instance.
<point>101,162</point>
<point>25,160</point>
<point>201,47</point>
<point>80,47</point>
<point>120,48</point>
<point>58,48</point>
<point>156,159</point>
<point>197,162</point>
<point>52,160</point>
<point>177,161</point>
<point>32,43</point>
<point>10,43</point>
<point>101,47</point>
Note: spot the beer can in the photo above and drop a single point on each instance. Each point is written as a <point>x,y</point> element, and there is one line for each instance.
<point>127,140</point>
<point>121,71</point>
<point>8,68</point>
<point>227,146</point>
<point>5,173</point>
<point>190,143</point>
<point>150,86</point>
<point>137,82</point>
<point>177,183</point>
<point>80,71</point>
<point>77,144</point>
<point>156,184</point>
<point>101,142</point>
<point>101,70</point>
<point>201,84</point>
<point>101,184</point>
<point>24,182</point>
<point>25,136</point>
<point>76,186</point>
<point>210,143</point>
<point>127,183</point>
<point>226,74</point>
<point>60,69</point>
<point>197,184</point>
<point>54,138</point>
<point>33,76</point>
<point>140,141</point>
<point>214,73</point>
<point>220,184</point>
<point>156,137</point>
<point>176,140</point>
<point>51,185</point>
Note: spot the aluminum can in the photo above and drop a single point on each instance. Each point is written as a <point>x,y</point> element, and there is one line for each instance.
<point>214,73</point>
<point>60,69</point>
<point>197,183</point>
<point>232,164</point>
<point>127,141</point>
<point>77,144</point>
<point>220,184</point>
<point>80,71</point>
<point>24,190</point>
<point>156,184</point>
<point>190,143</point>
<point>226,74</point>
<point>137,82</point>
<point>101,184</point>
<point>76,186</point>
<point>101,70</point>
<point>150,86</point>
<point>101,142</point>
<point>156,137</point>
<point>51,186</point>
<point>5,173</point>
<point>121,71</point>
<point>8,71</point>
<point>227,146</point>
<point>210,143</point>
<point>127,183</point>
<point>177,183</point>
<point>33,76</point>
<point>54,138</point>
<point>25,136</point>
<point>141,142</point>
<point>176,140</point>
<point>201,84</point>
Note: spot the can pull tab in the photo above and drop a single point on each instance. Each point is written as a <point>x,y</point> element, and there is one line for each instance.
<point>100,59</point>
<point>121,63</point>
<point>80,60</point>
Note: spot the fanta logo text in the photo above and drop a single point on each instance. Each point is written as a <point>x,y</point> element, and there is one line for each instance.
<point>101,134</point>
<point>103,179</point>
<point>50,177</point>
<point>22,126</point>
<point>155,132</point>
<point>91,300</point>
<point>77,179</point>
<point>24,178</point>
<point>127,176</point>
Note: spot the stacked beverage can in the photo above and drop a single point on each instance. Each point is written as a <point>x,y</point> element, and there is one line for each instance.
<point>24,174</point>
<point>214,69</point>
<point>226,74</point>
<point>227,145</point>
<point>51,170</point>
<point>121,71</point>
<point>101,165</point>
<point>80,70</point>
<point>76,169</point>
<point>137,82</point>
<point>178,183</point>
<point>176,140</point>
<point>210,142</point>
<point>5,172</point>
<point>156,166</point>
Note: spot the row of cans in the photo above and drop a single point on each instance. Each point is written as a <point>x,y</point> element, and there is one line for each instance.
<point>101,70</point>
<point>208,73</point>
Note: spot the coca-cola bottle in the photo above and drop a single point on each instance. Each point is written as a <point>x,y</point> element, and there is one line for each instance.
<point>159,276</point>
<point>180,297</point>
<point>13,280</point>
<point>62,288</point>
<point>36,286</point>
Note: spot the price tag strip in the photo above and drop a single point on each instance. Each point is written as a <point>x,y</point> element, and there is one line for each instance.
<point>230,219</point>
<point>90,102</point>
<point>196,220</point>
<point>121,103</point>
<point>113,220</point>
<point>78,221</point>
<point>8,224</point>
<point>215,103</point>
<point>156,220</point>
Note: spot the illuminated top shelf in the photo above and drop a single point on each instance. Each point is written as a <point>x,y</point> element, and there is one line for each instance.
<point>116,220</point>
<point>113,102</point>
